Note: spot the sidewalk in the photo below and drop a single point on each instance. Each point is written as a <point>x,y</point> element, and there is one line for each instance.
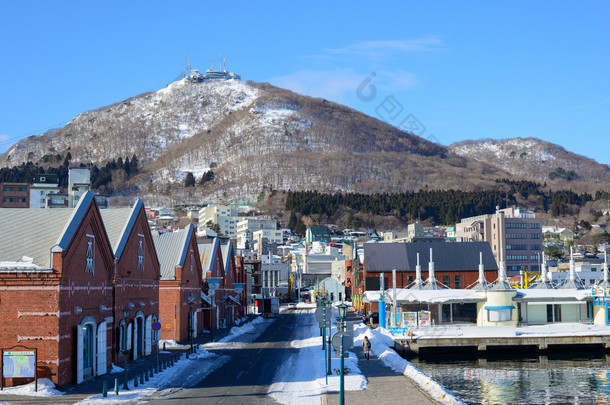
<point>76,393</point>
<point>384,385</point>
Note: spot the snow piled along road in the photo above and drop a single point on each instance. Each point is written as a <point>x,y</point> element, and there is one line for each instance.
<point>301,379</point>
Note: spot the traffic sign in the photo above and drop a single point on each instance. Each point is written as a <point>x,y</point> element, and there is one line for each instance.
<point>319,314</point>
<point>156,326</point>
<point>348,341</point>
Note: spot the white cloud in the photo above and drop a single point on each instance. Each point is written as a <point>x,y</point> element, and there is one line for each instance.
<point>340,85</point>
<point>376,48</point>
<point>333,85</point>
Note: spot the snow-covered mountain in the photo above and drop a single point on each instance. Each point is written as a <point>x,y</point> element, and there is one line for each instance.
<point>258,137</point>
<point>532,157</point>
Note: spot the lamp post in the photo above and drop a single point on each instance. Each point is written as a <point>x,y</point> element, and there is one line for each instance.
<point>342,312</point>
<point>328,323</point>
<point>190,299</point>
<point>124,351</point>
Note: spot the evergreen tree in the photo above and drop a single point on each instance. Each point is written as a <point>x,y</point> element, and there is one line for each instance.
<point>189,180</point>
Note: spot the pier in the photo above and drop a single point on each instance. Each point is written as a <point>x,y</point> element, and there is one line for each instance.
<point>418,346</point>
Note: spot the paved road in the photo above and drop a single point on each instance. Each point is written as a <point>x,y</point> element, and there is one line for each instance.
<point>246,377</point>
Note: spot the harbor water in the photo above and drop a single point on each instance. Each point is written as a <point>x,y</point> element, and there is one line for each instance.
<point>577,378</point>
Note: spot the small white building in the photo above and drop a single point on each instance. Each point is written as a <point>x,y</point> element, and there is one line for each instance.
<point>246,227</point>
<point>41,188</point>
<point>275,277</point>
<point>225,216</point>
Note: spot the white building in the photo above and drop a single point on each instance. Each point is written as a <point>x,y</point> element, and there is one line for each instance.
<point>225,216</point>
<point>247,226</point>
<point>315,263</point>
<point>589,273</point>
<point>43,185</point>
<point>275,276</point>
<point>79,182</point>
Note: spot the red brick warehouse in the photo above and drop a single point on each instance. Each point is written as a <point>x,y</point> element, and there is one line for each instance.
<point>136,280</point>
<point>180,277</point>
<point>56,271</point>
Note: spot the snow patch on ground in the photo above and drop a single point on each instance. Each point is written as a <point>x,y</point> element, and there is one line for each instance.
<point>301,380</point>
<point>382,344</point>
<point>46,388</point>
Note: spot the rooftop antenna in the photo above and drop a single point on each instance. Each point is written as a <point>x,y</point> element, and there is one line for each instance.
<point>418,283</point>
<point>185,64</point>
<point>212,63</point>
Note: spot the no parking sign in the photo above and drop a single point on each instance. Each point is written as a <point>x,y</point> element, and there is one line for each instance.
<point>156,326</point>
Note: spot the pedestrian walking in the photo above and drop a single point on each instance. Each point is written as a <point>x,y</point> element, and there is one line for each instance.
<point>366,346</point>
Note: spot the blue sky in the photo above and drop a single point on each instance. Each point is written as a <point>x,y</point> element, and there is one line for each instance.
<point>446,70</point>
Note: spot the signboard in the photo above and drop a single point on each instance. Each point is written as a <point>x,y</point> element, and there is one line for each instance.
<point>156,326</point>
<point>424,318</point>
<point>19,364</point>
<point>213,283</point>
<point>238,287</point>
<point>319,315</point>
<point>348,341</point>
<point>409,319</point>
<point>168,326</point>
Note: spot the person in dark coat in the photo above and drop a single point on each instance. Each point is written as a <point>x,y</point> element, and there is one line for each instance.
<point>366,346</point>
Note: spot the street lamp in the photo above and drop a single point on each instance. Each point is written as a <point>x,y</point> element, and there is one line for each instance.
<point>342,308</point>
<point>124,351</point>
<point>190,299</point>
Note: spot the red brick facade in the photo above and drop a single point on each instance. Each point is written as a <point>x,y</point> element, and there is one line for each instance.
<point>174,307</point>
<point>47,309</point>
<point>136,284</point>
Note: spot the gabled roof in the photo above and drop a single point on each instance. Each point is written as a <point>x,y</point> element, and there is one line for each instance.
<point>226,247</point>
<point>208,255</point>
<point>447,256</point>
<point>118,223</point>
<point>172,248</point>
<point>36,233</point>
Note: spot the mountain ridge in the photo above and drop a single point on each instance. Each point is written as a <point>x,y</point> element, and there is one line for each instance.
<point>256,137</point>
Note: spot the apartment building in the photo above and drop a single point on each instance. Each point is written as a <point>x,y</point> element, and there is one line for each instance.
<point>14,195</point>
<point>225,216</point>
<point>247,226</point>
<point>513,232</point>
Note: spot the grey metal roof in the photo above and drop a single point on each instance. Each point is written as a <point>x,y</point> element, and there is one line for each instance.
<point>171,249</point>
<point>447,256</point>
<point>118,223</point>
<point>208,251</point>
<point>35,232</point>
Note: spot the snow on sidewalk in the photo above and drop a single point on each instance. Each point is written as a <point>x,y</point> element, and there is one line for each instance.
<point>301,379</point>
<point>184,373</point>
<point>46,388</point>
<point>382,346</point>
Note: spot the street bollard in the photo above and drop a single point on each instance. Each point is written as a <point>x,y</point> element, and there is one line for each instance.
<point>105,388</point>
<point>135,380</point>
<point>141,378</point>
<point>116,386</point>
<point>151,374</point>
<point>146,375</point>
<point>171,361</point>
